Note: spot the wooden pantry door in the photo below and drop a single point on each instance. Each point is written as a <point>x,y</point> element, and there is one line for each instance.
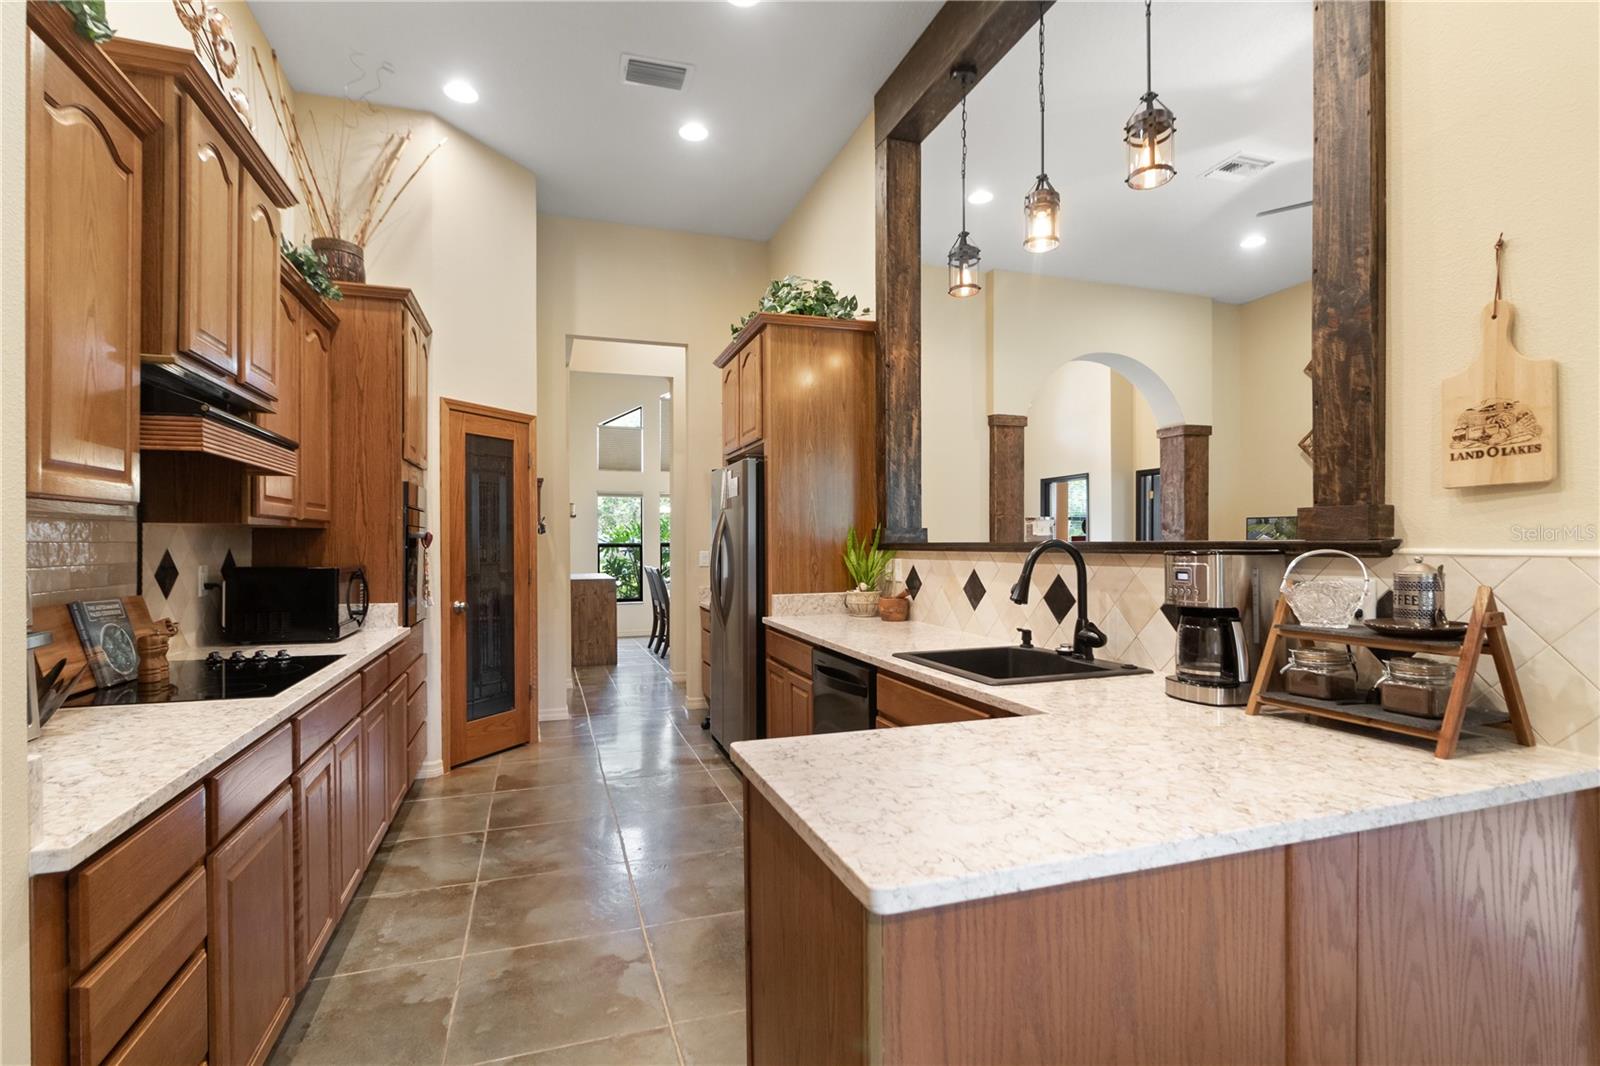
<point>490,635</point>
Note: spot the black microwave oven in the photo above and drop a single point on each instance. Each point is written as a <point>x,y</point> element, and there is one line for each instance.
<point>292,604</point>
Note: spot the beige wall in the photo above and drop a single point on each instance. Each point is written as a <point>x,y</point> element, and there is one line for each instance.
<point>656,286</point>
<point>830,233</point>
<point>591,399</point>
<point>1493,125</point>
<point>465,239</point>
<point>14,822</point>
<point>955,410</point>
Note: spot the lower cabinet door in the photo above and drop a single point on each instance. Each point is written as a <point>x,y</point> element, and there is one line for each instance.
<point>316,802</point>
<point>799,705</point>
<point>778,719</point>
<point>350,832</point>
<point>251,942</point>
<point>398,735</point>
<point>375,776</point>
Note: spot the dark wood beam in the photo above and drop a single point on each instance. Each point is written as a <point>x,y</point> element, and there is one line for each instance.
<point>1185,482</point>
<point>1347,285</point>
<point>920,93</point>
<point>899,301</point>
<point>1006,509</point>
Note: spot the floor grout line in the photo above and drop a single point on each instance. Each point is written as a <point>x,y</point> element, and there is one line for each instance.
<point>638,910</point>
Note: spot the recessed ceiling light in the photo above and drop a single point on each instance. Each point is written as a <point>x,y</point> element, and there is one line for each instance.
<point>1253,240</point>
<point>693,131</point>
<point>744,3</point>
<point>461,91</point>
<point>979,196</point>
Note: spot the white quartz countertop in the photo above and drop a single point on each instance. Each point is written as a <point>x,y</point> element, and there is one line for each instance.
<point>105,769</point>
<point>1095,778</point>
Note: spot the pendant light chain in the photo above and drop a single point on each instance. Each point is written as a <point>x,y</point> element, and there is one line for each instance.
<point>1148,91</point>
<point>1041,88</point>
<point>963,162</point>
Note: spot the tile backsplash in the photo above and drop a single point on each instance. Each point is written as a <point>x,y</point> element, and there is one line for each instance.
<point>1551,603</point>
<point>80,551</point>
<point>173,557</point>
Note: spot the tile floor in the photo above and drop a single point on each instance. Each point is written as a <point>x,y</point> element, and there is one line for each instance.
<point>578,901</point>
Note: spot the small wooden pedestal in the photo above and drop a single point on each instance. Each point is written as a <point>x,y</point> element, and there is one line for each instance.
<point>1485,632</point>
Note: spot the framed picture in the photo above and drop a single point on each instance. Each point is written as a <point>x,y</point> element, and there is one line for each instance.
<point>1282,527</point>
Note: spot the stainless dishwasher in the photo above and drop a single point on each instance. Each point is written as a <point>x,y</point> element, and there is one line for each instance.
<point>841,693</point>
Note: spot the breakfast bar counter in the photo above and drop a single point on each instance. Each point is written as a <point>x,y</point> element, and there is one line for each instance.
<point>1110,875</point>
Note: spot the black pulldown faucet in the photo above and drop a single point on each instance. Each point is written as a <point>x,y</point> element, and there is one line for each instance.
<point>1086,636</point>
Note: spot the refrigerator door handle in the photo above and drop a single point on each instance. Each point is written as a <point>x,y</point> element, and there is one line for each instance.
<point>719,557</point>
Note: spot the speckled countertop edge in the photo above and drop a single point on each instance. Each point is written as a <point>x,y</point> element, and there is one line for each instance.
<point>1489,773</point>
<point>105,769</point>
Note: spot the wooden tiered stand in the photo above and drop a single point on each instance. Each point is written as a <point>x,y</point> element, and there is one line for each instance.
<point>1485,633</point>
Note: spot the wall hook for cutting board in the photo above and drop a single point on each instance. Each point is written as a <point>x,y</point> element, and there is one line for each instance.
<point>1499,246</point>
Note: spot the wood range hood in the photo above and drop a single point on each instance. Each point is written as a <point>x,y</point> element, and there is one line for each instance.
<point>181,411</point>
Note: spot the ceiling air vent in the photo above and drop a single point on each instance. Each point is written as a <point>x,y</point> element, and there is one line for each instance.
<point>656,73</point>
<point>1238,167</point>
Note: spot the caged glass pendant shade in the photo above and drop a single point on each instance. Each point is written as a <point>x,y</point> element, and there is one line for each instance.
<point>963,261</point>
<point>1151,137</point>
<point>1041,213</point>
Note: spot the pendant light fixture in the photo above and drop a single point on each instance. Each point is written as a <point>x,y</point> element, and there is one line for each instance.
<point>963,258</point>
<point>1041,209</point>
<point>1151,132</point>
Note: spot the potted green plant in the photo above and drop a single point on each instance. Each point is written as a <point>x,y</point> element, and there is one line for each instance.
<point>866,564</point>
<point>794,295</point>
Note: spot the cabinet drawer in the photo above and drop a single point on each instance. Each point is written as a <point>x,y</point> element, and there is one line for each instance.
<point>374,679</point>
<point>321,722</point>
<point>416,709</point>
<point>416,751</point>
<point>402,655</point>
<point>175,1029</point>
<point>107,1001</point>
<point>245,783</point>
<point>109,893</point>
<point>790,652</point>
<point>905,704</point>
<point>418,673</point>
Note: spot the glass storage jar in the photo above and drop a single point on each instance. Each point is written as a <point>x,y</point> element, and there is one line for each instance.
<point>1321,672</point>
<point>1416,686</point>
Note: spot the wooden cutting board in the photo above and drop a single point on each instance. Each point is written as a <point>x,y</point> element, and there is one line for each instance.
<point>1498,416</point>
<point>64,643</point>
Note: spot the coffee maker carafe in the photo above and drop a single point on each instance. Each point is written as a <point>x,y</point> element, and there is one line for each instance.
<point>1219,603</point>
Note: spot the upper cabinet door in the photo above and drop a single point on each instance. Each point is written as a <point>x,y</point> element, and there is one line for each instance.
<point>316,421</point>
<point>414,395</point>
<point>83,236</point>
<point>276,496</point>
<point>730,406</point>
<point>208,224</point>
<point>750,392</point>
<point>262,232</point>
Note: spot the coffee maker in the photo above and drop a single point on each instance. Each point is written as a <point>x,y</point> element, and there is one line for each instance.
<point>1221,605</point>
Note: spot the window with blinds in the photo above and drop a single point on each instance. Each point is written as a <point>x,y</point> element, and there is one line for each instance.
<point>620,442</point>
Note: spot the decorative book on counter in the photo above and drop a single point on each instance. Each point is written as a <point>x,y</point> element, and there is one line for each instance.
<point>106,633</point>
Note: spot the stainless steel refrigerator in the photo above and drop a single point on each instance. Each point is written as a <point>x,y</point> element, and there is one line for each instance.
<point>737,592</point>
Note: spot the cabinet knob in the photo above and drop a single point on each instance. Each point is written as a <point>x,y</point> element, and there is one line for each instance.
<point>459,606</point>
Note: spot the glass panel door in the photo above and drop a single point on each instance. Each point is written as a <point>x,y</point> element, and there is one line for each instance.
<point>491,565</point>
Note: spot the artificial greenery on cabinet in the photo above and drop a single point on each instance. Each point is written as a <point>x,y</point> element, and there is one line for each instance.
<point>794,295</point>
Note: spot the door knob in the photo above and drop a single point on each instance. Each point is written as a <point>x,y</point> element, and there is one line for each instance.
<point>459,606</point>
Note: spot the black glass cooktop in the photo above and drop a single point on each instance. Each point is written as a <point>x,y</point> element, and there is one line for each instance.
<point>239,676</point>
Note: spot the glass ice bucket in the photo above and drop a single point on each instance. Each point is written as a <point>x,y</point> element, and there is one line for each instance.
<point>1326,602</point>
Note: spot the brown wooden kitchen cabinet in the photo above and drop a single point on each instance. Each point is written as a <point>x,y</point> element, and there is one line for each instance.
<point>85,170</point>
<point>316,815</point>
<point>730,408</point>
<point>212,226</point>
<point>788,686</point>
<point>743,397</point>
<point>398,735</point>
<point>414,416</point>
<point>304,334</point>
<point>251,942</point>
<point>901,703</point>
<point>350,835</point>
<point>375,779</point>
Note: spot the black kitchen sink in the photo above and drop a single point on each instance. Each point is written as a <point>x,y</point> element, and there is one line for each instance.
<point>1016,665</point>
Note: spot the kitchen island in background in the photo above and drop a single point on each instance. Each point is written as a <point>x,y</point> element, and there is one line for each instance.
<point>1108,875</point>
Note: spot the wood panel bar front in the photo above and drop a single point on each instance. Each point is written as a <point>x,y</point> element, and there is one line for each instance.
<point>1466,939</point>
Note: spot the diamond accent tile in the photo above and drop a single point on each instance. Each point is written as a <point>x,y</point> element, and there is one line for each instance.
<point>1059,599</point>
<point>974,589</point>
<point>228,565</point>
<point>913,582</point>
<point>166,574</point>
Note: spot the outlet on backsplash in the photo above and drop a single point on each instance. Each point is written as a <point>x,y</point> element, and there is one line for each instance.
<point>179,561</point>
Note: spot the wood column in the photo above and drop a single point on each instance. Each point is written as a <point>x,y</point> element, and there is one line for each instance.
<point>1347,286</point>
<point>1185,482</point>
<point>899,303</point>
<point>1006,496</point>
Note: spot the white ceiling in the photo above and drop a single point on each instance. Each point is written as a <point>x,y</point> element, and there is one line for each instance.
<point>780,85</point>
<point>1238,77</point>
